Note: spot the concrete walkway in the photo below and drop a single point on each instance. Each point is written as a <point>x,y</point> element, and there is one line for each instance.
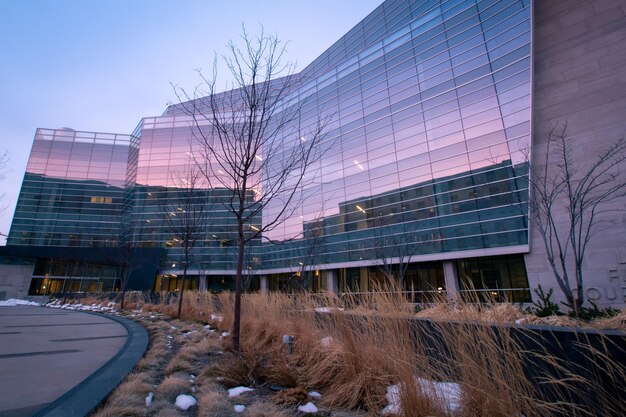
<point>62,363</point>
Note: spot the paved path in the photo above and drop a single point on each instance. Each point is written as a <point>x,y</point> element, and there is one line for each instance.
<point>60,362</point>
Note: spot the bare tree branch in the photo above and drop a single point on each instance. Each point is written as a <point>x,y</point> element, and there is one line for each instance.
<point>185,212</point>
<point>254,140</point>
<point>584,191</point>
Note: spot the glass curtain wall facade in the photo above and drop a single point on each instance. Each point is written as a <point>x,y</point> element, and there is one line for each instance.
<point>425,156</point>
<point>166,165</point>
<point>431,126</point>
<point>73,190</point>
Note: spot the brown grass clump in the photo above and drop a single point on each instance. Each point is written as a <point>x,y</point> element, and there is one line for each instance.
<point>484,360</point>
<point>290,397</point>
<point>562,321</point>
<point>436,311</point>
<point>617,322</point>
<point>502,313</point>
<point>120,411</point>
<point>415,402</point>
<point>169,410</point>
<point>363,354</point>
<point>264,409</point>
<point>179,364</point>
<point>213,404</point>
<point>171,387</point>
<point>198,306</point>
<point>154,359</point>
<point>235,369</point>
<point>448,311</point>
<point>132,392</point>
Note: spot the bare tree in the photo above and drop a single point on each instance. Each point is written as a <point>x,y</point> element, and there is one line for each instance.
<point>128,257</point>
<point>570,199</point>
<point>203,264</point>
<point>310,251</point>
<point>124,261</point>
<point>394,247</point>
<point>185,211</point>
<point>255,141</point>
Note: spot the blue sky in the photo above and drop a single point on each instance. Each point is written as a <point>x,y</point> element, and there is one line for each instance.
<point>103,65</point>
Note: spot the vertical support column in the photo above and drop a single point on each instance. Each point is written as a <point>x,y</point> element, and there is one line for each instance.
<point>264,284</point>
<point>332,282</point>
<point>451,279</point>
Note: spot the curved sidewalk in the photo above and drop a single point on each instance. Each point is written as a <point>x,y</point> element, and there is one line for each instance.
<point>63,363</point>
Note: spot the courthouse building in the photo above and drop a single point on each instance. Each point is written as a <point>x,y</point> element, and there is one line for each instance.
<point>439,111</point>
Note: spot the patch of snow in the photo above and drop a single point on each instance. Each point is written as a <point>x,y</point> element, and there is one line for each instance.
<point>239,408</point>
<point>81,307</point>
<point>448,392</point>
<point>149,399</point>
<point>12,302</point>
<point>393,400</point>
<point>308,408</point>
<point>224,334</point>
<point>315,394</point>
<point>237,391</point>
<point>327,309</point>
<point>220,378</point>
<point>218,319</point>
<point>183,402</point>
<point>326,342</point>
<point>520,321</point>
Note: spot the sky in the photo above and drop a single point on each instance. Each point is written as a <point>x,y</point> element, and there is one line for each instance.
<point>102,65</point>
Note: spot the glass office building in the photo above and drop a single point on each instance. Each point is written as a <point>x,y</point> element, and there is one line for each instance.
<point>430,109</point>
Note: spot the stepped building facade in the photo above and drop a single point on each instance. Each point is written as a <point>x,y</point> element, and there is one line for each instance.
<point>438,111</point>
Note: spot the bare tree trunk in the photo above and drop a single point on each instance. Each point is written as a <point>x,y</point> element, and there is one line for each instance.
<point>238,291</point>
<point>182,290</point>
<point>65,287</point>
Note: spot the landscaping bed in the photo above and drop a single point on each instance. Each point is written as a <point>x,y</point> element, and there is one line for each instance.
<point>381,363</point>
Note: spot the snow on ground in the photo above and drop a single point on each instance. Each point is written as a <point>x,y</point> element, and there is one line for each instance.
<point>218,319</point>
<point>308,408</point>
<point>12,302</point>
<point>149,398</point>
<point>183,401</point>
<point>327,309</point>
<point>447,392</point>
<point>109,308</point>
<point>315,394</point>
<point>326,342</point>
<point>239,408</point>
<point>237,391</point>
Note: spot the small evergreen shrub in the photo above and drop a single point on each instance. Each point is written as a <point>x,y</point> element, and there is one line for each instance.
<point>544,306</point>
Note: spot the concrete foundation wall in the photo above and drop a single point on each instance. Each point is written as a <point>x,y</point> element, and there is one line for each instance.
<point>580,78</point>
<point>14,280</point>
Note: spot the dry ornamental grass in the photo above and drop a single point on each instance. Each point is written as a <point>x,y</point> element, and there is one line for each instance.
<point>352,352</point>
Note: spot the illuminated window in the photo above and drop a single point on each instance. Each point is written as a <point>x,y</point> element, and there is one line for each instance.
<point>103,200</point>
